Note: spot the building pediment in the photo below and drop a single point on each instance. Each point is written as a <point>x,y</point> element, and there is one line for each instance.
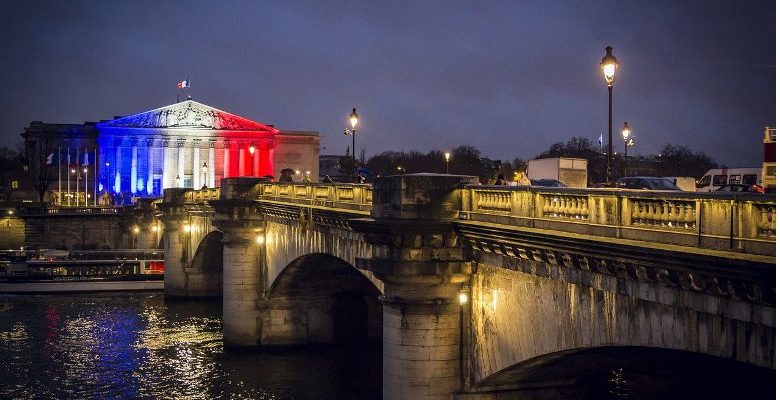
<point>187,114</point>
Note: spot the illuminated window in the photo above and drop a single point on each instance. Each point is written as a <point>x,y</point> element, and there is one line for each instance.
<point>14,184</point>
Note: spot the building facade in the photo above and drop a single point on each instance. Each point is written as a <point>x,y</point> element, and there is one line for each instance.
<point>186,144</point>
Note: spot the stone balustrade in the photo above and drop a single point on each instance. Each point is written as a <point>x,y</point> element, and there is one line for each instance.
<point>743,222</point>
<point>201,195</point>
<point>355,197</point>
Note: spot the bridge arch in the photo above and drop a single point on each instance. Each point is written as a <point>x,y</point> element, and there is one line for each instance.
<point>630,372</point>
<point>320,298</point>
<point>208,254</point>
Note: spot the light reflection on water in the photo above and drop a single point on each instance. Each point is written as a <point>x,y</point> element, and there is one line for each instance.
<point>137,346</point>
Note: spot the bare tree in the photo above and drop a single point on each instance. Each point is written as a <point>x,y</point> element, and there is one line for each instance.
<point>39,166</point>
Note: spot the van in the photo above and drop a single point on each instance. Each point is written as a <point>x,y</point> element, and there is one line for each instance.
<point>685,183</point>
<point>718,177</point>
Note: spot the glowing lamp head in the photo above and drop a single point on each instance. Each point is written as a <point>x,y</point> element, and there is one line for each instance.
<point>85,170</point>
<point>187,227</point>
<point>252,149</point>
<point>72,170</point>
<point>609,64</point>
<point>354,118</point>
<point>136,229</point>
<point>10,212</point>
<point>447,156</point>
<point>260,239</point>
<point>463,298</point>
<point>108,164</point>
<point>155,228</point>
<point>297,172</point>
<point>626,131</point>
<point>204,168</point>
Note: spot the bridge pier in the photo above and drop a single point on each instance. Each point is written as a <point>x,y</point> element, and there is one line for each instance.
<point>424,270</point>
<point>243,283</point>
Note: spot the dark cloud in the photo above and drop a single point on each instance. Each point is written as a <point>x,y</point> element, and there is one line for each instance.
<point>509,77</point>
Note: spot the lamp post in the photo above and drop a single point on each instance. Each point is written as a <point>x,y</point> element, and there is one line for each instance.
<point>609,64</point>
<point>252,158</point>
<point>447,161</point>
<point>205,169</point>
<point>353,120</point>
<point>178,181</point>
<point>626,131</point>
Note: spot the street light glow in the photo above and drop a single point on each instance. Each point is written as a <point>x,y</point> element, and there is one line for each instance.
<point>626,131</point>
<point>353,118</point>
<point>252,149</point>
<point>609,64</point>
<point>447,155</point>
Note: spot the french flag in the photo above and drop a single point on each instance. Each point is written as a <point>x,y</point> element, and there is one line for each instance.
<point>183,84</point>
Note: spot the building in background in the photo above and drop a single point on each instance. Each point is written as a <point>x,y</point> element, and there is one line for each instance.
<point>768,171</point>
<point>186,144</point>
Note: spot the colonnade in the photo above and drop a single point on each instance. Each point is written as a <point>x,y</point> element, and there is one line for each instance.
<point>181,162</point>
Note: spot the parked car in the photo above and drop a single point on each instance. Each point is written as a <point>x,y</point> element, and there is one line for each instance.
<point>547,183</point>
<point>740,188</point>
<point>647,183</point>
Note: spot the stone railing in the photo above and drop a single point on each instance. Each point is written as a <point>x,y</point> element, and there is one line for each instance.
<point>353,197</point>
<point>744,222</point>
<point>82,210</point>
<point>201,195</point>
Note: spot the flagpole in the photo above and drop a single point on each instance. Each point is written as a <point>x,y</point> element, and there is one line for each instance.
<point>94,180</point>
<point>68,175</point>
<point>78,175</point>
<point>59,176</point>
<point>86,177</point>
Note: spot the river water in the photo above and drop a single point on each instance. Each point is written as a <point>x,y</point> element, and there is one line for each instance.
<point>137,346</point>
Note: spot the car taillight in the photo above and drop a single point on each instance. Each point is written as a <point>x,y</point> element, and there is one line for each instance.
<point>757,189</point>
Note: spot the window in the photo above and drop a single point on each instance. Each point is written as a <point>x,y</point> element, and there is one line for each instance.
<point>704,182</point>
<point>735,179</point>
<point>14,184</point>
<point>750,179</point>
<point>719,180</point>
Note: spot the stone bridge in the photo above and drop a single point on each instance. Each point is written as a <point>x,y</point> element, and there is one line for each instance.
<point>483,292</point>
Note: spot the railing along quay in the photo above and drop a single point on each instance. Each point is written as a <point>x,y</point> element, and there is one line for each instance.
<point>731,222</point>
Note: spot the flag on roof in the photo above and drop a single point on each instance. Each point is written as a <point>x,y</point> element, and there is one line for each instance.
<point>183,84</point>
<point>601,139</point>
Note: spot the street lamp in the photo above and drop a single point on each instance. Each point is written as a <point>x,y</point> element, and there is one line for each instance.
<point>178,181</point>
<point>353,120</point>
<point>447,161</point>
<point>626,132</point>
<point>609,65</point>
<point>205,169</point>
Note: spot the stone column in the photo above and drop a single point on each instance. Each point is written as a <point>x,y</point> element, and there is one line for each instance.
<point>423,267</point>
<point>149,167</point>
<point>241,159</point>
<point>242,279</point>
<point>166,170</point>
<point>266,158</point>
<point>196,172</point>
<point>256,162</point>
<point>118,169</point>
<point>226,159</point>
<point>212,165</point>
<point>134,167</point>
<point>179,163</point>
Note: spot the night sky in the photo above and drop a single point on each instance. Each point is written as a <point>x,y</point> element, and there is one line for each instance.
<point>509,77</point>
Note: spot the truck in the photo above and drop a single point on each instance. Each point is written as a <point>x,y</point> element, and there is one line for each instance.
<point>572,172</point>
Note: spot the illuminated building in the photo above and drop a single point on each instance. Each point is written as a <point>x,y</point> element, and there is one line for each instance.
<point>186,144</point>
